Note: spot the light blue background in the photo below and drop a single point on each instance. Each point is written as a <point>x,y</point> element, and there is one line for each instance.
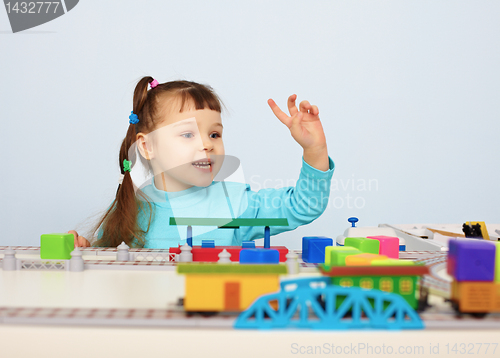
<point>408,92</point>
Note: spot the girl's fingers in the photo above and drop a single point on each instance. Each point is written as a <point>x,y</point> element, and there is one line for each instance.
<point>297,119</point>
<point>83,242</point>
<point>292,108</point>
<point>314,110</point>
<point>75,234</point>
<point>305,106</point>
<point>278,112</point>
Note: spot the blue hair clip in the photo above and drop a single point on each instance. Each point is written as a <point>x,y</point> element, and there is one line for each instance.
<point>133,118</point>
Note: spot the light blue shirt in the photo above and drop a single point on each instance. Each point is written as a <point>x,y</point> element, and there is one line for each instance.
<point>300,205</point>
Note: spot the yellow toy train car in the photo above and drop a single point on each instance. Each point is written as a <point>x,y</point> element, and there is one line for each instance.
<point>215,287</point>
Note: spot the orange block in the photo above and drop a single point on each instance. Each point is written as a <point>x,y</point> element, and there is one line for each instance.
<point>363,259</point>
<point>476,296</point>
<point>496,297</point>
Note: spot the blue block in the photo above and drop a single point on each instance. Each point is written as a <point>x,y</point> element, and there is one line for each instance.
<point>313,248</point>
<point>259,256</point>
<point>248,244</point>
<point>207,243</point>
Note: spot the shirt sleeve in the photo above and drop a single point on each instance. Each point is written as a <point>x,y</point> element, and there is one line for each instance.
<point>301,204</point>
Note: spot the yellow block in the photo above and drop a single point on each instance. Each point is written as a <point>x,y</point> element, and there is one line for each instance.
<point>363,259</point>
<point>392,262</point>
<point>205,292</point>
<point>484,232</point>
<point>497,261</point>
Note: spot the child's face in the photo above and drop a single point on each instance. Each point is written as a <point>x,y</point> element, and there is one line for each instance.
<point>186,149</point>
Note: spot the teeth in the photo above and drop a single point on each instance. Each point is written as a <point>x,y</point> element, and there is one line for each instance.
<point>201,164</point>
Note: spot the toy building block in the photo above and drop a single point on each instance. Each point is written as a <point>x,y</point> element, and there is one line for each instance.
<point>389,245</point>
<point>471,260</point>
<point>363,259</point>
<point>248,244</point>
<point>313,248</point>
<point>392,262</point>
<point>363,244</point>
<point>207,243</point>
<point>497,261</point>
<point>208,254</point>
<point>259,256</point>
<point>335,255</point>
<point>56,246</point>
<point>216,268</point>
<point>471,297</point>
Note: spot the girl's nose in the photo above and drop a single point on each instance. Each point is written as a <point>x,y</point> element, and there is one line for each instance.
<point>207,145</point>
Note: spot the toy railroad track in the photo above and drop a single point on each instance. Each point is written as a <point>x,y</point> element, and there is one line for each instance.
<point>178,318</point>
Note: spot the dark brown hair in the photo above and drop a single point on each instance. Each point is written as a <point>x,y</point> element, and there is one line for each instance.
<point>119,223</point>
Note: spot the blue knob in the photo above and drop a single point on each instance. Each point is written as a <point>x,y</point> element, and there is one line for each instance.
<point>353,221</point>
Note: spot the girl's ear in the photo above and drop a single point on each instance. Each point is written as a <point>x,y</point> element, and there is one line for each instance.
<point>144,146</point>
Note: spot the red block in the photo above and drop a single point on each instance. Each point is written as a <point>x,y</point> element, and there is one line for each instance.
<point>211,254</point>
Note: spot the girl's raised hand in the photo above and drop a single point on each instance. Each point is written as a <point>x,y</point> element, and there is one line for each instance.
<point>304,123</point>
<point>80,241</point>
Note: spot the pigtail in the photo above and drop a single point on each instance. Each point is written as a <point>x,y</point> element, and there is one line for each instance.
<point>120,221</point>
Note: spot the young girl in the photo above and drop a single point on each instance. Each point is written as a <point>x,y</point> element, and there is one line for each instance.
<point>176,128</point>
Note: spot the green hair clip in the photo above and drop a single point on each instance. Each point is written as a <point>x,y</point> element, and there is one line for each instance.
<point>126,165</point>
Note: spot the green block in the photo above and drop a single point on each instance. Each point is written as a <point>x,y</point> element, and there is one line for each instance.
<point>392,262</point>
<point>56,246</point>
<point>497,261</point>
<point>363,244</point>
<point>216,268</point>
<point>335,255</point>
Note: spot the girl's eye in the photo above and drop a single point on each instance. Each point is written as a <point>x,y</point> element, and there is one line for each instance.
<point>187,135</point>
<point>215,135</point>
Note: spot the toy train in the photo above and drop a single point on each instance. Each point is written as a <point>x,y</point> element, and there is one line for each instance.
<point>355,284</point>
<point>475,268</point>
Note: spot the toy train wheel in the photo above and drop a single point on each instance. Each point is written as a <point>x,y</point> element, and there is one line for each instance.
<point>423,299</point>
<point>456,308</point>
<point>479,314</point>
<point>207,313</point>
<point>454,305</point>
<point>201,313</point>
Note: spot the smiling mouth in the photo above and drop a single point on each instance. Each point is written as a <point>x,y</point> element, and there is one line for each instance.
<point>203,164</point>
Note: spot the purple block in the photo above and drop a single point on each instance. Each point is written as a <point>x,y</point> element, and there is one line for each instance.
<point>471,260</point>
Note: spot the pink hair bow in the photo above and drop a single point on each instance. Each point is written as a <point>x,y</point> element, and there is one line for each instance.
<point>153,84</point>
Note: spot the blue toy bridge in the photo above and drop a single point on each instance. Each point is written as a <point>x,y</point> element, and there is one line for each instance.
<point>315,303</point>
